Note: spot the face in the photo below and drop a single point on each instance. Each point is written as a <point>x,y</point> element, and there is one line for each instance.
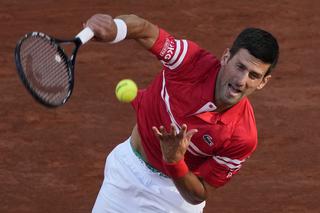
<point>238,77</point>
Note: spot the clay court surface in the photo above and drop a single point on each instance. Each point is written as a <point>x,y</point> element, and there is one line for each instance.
<point>51,160</point>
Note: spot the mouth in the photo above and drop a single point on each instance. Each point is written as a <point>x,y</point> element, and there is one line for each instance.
<point>233,91</point>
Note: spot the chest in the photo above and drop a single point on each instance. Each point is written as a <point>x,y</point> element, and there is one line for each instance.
<point>210,138</point>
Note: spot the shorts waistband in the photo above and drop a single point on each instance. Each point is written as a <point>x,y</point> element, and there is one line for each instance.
<point>149,166</point>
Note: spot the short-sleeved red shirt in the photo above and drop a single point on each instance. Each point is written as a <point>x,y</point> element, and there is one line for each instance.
<point>183,92</point>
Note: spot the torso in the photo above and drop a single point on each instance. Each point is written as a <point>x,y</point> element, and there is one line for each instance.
<point>136,142</point>
<point>184,94</point>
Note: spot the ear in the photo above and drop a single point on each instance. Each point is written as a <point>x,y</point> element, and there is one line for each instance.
<point>264,82</point>
<point>225,57</point>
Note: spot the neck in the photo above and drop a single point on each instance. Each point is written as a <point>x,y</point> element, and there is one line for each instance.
<point>222,108</point>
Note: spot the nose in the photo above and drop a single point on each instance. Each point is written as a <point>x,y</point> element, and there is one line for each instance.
<point>241,79</point>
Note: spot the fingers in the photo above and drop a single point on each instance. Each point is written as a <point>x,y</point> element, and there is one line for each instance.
<point>190,133</point>
<point>161,132</point>
<point>173,130</point>
<point>103,27</point>
<point>185,133</point>
<point>183,128</point>
<point>156,132</point>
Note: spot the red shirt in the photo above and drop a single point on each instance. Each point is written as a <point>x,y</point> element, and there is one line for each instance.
<point>183,92</point>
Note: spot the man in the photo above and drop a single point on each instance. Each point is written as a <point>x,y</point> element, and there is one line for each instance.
<point>195,125</point>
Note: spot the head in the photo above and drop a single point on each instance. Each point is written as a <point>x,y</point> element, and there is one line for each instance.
<point>246,67</point>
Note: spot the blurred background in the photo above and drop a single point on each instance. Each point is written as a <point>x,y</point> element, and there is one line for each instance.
<point>51,160</point>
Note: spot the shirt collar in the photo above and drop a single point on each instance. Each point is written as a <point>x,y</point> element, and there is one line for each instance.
<point>234,112</point>
<point>225,117</point>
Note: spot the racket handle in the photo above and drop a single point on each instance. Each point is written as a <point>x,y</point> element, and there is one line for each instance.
<point>85,35</point>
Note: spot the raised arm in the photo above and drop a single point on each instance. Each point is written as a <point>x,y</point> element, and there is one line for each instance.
<point>138,28</point>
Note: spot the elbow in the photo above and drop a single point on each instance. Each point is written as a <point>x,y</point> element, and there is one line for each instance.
<point>196,201</point>
<point>197,198</point>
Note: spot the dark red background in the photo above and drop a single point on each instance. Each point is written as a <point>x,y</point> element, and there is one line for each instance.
<point>51,160</point>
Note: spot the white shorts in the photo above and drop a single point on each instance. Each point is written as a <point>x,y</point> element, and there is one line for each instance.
<point>130,186</point>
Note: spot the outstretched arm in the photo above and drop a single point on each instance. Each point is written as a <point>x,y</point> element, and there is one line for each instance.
<point>141,30</point>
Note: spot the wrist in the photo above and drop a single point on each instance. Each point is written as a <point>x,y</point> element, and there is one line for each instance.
<point>177,169</point>
<point>122,30</point>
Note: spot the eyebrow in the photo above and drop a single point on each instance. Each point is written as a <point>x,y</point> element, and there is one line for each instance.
<point>257,73</point>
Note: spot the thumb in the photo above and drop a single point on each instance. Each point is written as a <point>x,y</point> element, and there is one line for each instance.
<point>190,133</point>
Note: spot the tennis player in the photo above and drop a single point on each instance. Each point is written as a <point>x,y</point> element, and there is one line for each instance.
<point>195,125</point>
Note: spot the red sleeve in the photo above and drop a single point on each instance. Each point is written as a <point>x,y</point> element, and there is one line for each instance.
<point>219,169</point>
<point>173,53</point>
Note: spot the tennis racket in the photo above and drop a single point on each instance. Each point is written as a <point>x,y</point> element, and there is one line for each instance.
<point>45,69</point>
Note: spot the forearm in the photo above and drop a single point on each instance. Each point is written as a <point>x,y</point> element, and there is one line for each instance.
<point>141,30</point>
<point>105,29</point>
<point>191,188</point>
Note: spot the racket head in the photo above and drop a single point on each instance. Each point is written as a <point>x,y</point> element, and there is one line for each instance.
<point>44,69</point>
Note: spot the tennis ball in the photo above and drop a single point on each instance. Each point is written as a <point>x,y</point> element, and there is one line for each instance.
<point>126,90</point>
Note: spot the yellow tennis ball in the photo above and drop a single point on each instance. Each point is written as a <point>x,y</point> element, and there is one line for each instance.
<point>126,90</point>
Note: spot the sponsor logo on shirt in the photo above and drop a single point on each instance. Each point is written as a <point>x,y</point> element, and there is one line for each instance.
<point>208,139</point>
<point>167,51</point>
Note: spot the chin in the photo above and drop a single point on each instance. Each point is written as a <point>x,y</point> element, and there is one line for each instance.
<point>231,101</point>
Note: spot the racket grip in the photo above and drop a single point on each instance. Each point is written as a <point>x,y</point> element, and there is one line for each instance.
<point>85,35</point>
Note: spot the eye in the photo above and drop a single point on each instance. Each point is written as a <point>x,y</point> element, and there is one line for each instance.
<point>254,75</point>
<point>240,67</point>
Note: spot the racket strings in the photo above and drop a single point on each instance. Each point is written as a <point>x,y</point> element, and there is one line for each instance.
<point>46,69</point>
<point>46,66</point>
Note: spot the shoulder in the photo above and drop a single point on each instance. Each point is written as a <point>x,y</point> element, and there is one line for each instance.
<point>180,54</point>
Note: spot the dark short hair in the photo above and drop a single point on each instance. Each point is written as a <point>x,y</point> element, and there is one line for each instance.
<point>261,44</point>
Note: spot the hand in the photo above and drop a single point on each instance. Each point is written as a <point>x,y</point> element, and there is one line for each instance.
<point>173,145</point>
<point>103,27</point>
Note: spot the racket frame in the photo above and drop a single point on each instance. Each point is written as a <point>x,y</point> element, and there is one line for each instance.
<point>70,62</point>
